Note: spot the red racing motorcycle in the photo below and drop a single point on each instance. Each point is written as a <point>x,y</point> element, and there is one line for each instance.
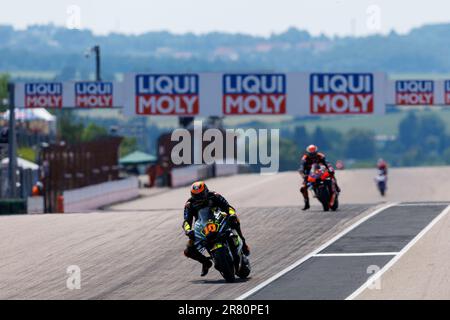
<point>322,184</point>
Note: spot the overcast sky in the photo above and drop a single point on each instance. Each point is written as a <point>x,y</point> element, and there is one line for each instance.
<point>258,17</point>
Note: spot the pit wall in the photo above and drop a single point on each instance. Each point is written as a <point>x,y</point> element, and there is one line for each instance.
<point>96,196</point>
<point>186,175</point>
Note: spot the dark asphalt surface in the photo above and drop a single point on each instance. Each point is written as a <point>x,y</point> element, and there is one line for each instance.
<point>139,255</point>
<point>322,278</point>
<point>336,277</point>
<point>388,231</point>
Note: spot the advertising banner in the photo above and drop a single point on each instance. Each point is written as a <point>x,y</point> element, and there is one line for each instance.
<point>39,95</point>
<point>221,94</point>
<point>259,94</point>
<point>56,95</point>
<point>166,94</point>
<point>417,92</point>
<point>344,93</point>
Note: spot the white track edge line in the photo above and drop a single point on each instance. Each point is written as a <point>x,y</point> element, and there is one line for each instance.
<point>310,255</point>
<point>356,254</point>
<point>399,255</point>
<point>423,204</point>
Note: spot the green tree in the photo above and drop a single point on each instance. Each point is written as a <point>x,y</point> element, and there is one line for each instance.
<point>301,136</point>
<point>93,132</point>
<point>408,131</point>
<point>319,139</point>
<point>69,129</point>
<point>289,155</point>
<point>4,78</point>
<point>360,144</point>
<point>127,146</point>
<point>446,155</point>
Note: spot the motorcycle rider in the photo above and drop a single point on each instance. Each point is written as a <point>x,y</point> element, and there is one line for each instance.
<point>382,166</point>
<point>200,198</point>
<point>311,157</point>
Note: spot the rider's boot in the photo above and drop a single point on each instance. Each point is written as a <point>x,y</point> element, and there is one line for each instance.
<point>194,254</point>
<point>307,206</point>
<point>245,249</point>
<point>205,267</point>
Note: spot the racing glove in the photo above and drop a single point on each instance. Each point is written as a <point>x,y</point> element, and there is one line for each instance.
<point>190,234</point>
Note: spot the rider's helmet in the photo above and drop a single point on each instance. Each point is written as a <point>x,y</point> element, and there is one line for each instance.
<point>312,150</point>
<point>199,191</point>
<point>381,163</point>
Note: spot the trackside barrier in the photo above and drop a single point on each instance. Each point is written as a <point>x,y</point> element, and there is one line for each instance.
<point>35,205</point>
<point>186,175</point>
<point>226,169</point>
<point>107,193</point>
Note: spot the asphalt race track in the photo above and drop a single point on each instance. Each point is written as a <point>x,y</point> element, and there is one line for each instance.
<point>134,250</point>
<point>346,264</point>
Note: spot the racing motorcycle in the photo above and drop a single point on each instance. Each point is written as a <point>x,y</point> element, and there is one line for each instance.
<point>322,185</point>
<point>381,181</point>
<point>214,235</point>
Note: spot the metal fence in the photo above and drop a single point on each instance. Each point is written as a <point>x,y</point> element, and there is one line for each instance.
<point>26,179</point>
<point>66,167</point>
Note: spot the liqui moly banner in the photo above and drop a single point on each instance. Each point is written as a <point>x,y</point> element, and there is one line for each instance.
<point>257,94</point>
<point>166,94</point>
<point>415,92</point>
<point>39,95</point>
<point>94,95</point>
<point>83,94</point>
<point>446,93</point>
<point>346,93</point>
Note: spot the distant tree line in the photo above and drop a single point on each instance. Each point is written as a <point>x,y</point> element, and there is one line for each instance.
<point>421,140</point>
<point>58,50</point>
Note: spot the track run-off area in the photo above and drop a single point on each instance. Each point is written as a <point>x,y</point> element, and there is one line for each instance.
<point>372,248</point>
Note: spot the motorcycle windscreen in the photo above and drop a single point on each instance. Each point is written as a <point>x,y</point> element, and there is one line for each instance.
<point>204,216</point>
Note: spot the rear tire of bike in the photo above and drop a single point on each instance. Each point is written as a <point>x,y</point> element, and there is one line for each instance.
<point>224,264</point>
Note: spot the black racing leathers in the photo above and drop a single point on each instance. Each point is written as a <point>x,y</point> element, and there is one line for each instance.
<point>191,209</point>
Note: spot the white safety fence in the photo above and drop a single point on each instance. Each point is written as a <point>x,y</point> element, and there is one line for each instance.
<point>35,205</point>
<point>186,175</point>
<point>223,169</point>
<point>96,196</point>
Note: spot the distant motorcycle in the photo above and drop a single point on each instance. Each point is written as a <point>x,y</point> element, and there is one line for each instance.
<point>214,235</point>
<point>381,181</point>
<point>324,188</point>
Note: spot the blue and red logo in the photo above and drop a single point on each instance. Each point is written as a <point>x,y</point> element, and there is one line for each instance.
<point>341,93</point>
<point>414,92</point>
<point>43,95</point>
<point>94,95</point>
<point>254,94</point>
<point>447,92</point>
<point>167,94</point>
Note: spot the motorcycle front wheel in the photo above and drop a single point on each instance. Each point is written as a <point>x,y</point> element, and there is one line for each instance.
<point>224,263</point>
<point>324,198</point>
